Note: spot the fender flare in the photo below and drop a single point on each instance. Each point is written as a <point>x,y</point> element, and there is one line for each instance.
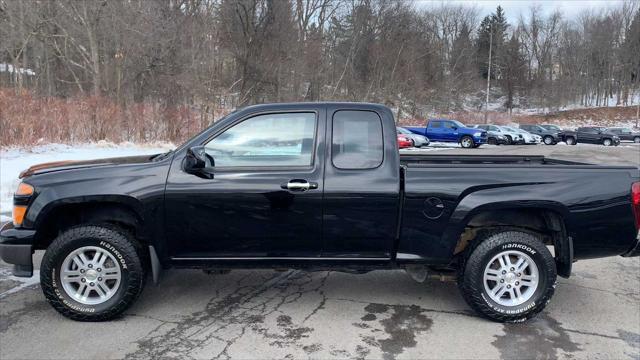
<point>471,206</point>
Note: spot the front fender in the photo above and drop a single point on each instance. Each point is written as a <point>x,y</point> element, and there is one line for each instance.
<point>42,206</point>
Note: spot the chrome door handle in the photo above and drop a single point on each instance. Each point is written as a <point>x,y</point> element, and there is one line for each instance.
<point>299,185</point>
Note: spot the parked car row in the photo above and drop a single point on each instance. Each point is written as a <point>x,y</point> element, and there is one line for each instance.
<point>472,136</point>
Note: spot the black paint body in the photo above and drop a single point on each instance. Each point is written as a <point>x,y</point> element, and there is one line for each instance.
<point>377,217</point>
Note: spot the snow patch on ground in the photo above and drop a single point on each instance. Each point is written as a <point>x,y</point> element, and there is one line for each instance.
<point>19,282</point>
<point>14,160</point>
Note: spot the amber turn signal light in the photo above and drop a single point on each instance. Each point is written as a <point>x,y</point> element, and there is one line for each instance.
<point>18,214</point>
<point>24,190</point>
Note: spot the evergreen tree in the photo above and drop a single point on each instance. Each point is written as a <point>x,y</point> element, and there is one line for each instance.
<point>491,34</point>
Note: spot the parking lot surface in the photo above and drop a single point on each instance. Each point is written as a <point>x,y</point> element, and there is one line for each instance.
<point>381,314</point>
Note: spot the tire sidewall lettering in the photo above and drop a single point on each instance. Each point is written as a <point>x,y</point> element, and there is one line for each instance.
<point>105,245</point>
<point>518,246</point>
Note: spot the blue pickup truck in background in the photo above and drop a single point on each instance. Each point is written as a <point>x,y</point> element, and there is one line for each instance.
<point>451,131</point>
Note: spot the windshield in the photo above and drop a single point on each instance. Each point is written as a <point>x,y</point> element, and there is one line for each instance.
<point>552,127</point>
<point>511,129</point>
<point>458,123</point>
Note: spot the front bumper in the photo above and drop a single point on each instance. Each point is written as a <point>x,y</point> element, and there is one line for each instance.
<point>479,139</point>
<point>16,248</point>
<point>635,251</point>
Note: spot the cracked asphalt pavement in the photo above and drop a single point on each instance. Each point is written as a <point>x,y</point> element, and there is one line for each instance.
<point>296,314</point>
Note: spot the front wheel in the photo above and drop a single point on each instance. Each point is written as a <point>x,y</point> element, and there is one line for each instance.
<point>570,141</point>
<point>92,273</point>
<point>607,142</point>
<point>466,142</point>
<point>509,140</point>
<point>509,277</point>
<point>548,140</point>
<point>636,139</point>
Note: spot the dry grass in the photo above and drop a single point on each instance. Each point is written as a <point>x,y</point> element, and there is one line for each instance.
<point>27,119</point>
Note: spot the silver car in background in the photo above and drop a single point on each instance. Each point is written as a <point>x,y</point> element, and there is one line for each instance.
<point>418,140</point>
<point>527,137</point>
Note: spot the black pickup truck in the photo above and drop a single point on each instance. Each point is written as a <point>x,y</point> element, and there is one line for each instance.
<point>317,186</point>
<point>590,135</point>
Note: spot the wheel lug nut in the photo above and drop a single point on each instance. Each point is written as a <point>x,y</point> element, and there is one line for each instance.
<point>504,272</point>
<point>517,283</point>
<point>81,271</point>
<point>501,280</point>
<point>508,286</point>
<point>91,284</point>
<point>99,269</point>
<point>519,274</point>
<point>99,279</point>
<point>512,269</point>
<point>90,266</point>
<point>83,280</point>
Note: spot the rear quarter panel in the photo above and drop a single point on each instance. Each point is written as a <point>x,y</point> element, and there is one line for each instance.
<point>594,202</point>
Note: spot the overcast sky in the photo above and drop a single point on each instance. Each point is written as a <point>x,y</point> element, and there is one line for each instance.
<point>513,8</point>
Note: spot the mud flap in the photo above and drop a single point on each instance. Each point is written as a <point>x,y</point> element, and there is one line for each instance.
<point>156,267</point>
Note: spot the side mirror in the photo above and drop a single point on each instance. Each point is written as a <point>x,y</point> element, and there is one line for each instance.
<point>196,162</point>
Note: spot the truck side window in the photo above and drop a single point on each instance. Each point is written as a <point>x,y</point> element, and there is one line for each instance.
<point>270,140</point>
<point>435,124</point>
<point>356,140</point>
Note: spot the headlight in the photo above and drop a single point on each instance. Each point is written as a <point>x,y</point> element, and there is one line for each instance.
<point>478,134</point>
<point>20,203</point>
<point>24,190</point>
<point>500,136</point>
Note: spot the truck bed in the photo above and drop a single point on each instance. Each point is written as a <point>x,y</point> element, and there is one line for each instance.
<point>443,190</point>
<point>433,159</point>
<point>421,160</point>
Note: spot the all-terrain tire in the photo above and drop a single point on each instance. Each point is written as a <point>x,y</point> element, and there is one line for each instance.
<point>571,140</point>
<point>487,246</point>
<point>110,239</point>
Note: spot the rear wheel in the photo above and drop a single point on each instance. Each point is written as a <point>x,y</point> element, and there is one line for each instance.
<point>636,139</point>
<point>466,142</point>
<point>570,140</point>
<point>509,276</point>
<point>92,273</point>
<point>607,142</point>
<point>492,141</point>
<point>548,140</point>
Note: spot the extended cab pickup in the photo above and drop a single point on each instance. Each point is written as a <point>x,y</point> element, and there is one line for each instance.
<point>317,186</point>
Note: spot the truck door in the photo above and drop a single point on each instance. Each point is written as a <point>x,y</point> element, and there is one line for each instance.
<point>434,130</point>
<point>265,197</point>
<point>450,131</point>
<point>588,135</point>
<point>362,186</point>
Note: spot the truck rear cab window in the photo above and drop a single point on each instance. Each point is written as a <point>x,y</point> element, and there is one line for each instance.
<point>269,140</point>
<point>356,140</point>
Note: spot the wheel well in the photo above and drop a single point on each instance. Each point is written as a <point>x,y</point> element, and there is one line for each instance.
<point>65,216</point>
<point>547,224</point>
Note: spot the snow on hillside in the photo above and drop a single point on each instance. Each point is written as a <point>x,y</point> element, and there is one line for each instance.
<point>14,160</point>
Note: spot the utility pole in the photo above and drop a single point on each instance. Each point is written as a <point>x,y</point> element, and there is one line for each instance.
<point>486,106</point>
